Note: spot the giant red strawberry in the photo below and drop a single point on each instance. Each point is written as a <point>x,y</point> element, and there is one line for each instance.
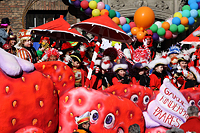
<point>29,100</point>
<point>109,113</point>
<point>138,94</point>
<point>30,129</point>
<point>60,73</point>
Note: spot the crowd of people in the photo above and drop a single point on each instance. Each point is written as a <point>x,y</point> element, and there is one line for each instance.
<point>127,64</point>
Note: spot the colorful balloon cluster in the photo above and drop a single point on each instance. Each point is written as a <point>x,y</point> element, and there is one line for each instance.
<point>144,18</point>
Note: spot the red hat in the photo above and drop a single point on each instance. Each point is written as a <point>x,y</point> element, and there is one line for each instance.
<point>150,37</point>
<point>24,34</point>
<point>6,46</point>
<point>44,38</point>
<point>52,51</point>
<point>66,46</point>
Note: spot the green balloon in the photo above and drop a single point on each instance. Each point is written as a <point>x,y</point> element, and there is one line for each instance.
<point>120,26</point>
<point>198,13</point>
<point>161,31</point>
<point>97,1</point>
<point>128,20</point>
<point>181,28</point>
<point>173,28</point>
<point>154,28</point>
<point>112,13</point>
<point>186,7</point>
<point>81,9</point>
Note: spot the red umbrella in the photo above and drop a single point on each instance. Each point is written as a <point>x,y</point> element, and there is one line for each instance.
<point>103,27</point>
<point>59,29</point>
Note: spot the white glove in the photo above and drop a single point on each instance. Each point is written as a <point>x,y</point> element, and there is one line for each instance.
<point>82,48</point>
<point>13,65</point>
<point>194,57</point>
<point>145,42</point>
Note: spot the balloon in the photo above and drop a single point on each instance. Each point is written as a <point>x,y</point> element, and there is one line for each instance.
<point>132,24</point>
<point>96,12</point>
<point>97,1</point>
<point>184,21</point>
<point>140,35</point>
<point>161,31</point>
<point>88,11</point>
<point>186,7</point>
<point>122,20</point>
<point>176,21</point>
<point>84,4</point>
<point>158,23</point>
<point>197,1</point>
<point>112,13</point>
<point>166,25</point>
<point>198,4</point>
<point>127,20</point>
<point>191,21</point>
<point>181,28</point>
<point>134,30</point>
<point>129,33</point>
<point>161,39</point>
<point>174,35</point>
<point>155,37</point>
<point>149,32</point>
<point>169,21</point>
<point>126,28</point>
<point>195,20</point>
<point>100,5</point>
<point>154,28</point>
<point>194,6</point>
<point>71,2</point>
<point>144,17</point>
<point>93,4</point>
<point>186,13</point>
<point>168,34</point>
<point>198,13</point>
<point>103,11</point>
<point>191,1</point>
<point>81,9</point>
<point>120,26</point>
<point>116,20</point>
<point>178,14</point>
<point>107,7</point>
<point>186,27</point>
<point>173,28</point>
<point>117,14</point>
<point>194,13</point>
<point>77,4</point>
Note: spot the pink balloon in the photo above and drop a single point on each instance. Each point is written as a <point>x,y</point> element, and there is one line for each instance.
<point>174,35</point>
<point>132,24</point>
<point>168,34</point>
<point>100,5</point>
<point>149,32</point>
<point>122,20</point>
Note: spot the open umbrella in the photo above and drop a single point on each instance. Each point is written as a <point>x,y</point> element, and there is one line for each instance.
<point>103,27</point>
<point>59,29</point>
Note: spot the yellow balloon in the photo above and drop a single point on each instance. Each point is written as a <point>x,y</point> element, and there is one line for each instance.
<point>96,12</point>
<point>186,27</point>
<point>178,14</point>
<point>195,20</point>
<point>93,4</point>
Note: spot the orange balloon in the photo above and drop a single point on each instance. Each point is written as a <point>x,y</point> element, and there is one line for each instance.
<point>184,21</point>
<point>144,17</point>
<point>141,29</point>
<point>140,35</point>
<point>166,25</point>
<point>116,20</point>
<point>104,11</point>
<point>135,30</point>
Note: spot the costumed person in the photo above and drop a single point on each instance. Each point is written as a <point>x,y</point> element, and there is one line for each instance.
<point>142,76</point>
<point>52,54</point>
<point>100,79</point>
<point>7,48</point>
<point>12,40</point>
<point>174,51</point>
<point>26,50</point>
<point>5,30</point>
<point>121,77</point>
<point>66,49</point>
<point>78,69</point>
<point>83,123</point>
<point>193,122</point>
<point>44,45</point>
<point>148,41</point>
<point>157,77</point>
<point>196,56</point>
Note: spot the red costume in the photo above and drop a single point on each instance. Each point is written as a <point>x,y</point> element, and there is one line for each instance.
<point>116,81</point>
<point>156,80</point>
<point>192,125</point>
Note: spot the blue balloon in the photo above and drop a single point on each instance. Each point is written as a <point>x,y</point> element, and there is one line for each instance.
<point>176,20</point>
<point>186,13</point>
<point>191,1</point>
<point>180,12</point>
<point>126,28</point>
<point>197,0</point>
<point>89,0</point>
<point>191,21</point>
<point>129,33</point>
<point>107,7</point>
<point>118,14</point>
<point>194,13</point>
<point>71,2</point>
<point>194,6</point>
